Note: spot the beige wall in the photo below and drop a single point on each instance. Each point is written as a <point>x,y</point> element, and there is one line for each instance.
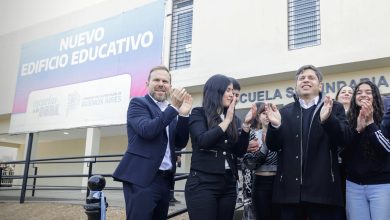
<point>71,148</point>
<point>250,40</point>
<point>111,145</point>
<point>4,124</point>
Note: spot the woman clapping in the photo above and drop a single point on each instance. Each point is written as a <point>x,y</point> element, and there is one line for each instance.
<point>367,156</point>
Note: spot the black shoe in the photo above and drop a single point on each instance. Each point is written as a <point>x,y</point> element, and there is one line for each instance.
<point>174,200</point>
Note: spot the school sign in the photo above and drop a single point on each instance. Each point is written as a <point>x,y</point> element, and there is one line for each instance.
<point>86,76</point>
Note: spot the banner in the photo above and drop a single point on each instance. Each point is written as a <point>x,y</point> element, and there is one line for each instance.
<point>86,76</point>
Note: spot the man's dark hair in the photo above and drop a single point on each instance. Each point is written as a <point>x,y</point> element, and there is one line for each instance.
<point>236,84</point>
<point>309,67</point>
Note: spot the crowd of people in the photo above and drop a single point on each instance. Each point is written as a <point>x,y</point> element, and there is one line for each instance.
<point>317,158</point>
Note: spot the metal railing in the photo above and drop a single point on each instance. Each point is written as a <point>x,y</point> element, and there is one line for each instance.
<point>6,171</point>
<point>8,177</point>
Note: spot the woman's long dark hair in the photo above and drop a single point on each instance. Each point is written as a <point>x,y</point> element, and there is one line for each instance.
<point>213,92</point>
<point>377,104</point>
<point>354,111</point>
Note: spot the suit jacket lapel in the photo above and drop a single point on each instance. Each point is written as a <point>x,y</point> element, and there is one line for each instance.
<point>172,129</point>
<point>157,112</point>
<point>153,105</point>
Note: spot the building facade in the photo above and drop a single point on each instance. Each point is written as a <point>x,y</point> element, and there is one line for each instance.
<point>260,43</point>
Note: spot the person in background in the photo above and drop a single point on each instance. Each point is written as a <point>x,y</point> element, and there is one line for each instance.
<point>386,103</point>
<point>264,162</point>
<point>344,96</point>
<point>386,117</point>
<point>210,190</point>
<point>154,128</point>
<point>307,133</point>
<point>247,174</point>
<point>236,88</point>
<point>367,156</point>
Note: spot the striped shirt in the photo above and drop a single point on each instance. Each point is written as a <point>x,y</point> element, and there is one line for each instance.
<point>263,159</point>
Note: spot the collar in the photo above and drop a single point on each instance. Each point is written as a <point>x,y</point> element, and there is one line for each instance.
<point>160,104</point>
<point>310,104</point>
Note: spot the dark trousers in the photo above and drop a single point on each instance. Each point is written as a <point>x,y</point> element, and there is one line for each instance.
<point>341,213</point>
<point>172,192</point>
<point>210,196</point>
<point>149,202</point>
<point>307,211</point>
<point>262,198</point>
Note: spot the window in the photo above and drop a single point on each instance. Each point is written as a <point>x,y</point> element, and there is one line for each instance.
<point>181,34</point>
<point>303,23</point>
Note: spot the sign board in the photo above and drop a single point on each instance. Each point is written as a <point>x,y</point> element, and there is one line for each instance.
<point>86,76</point>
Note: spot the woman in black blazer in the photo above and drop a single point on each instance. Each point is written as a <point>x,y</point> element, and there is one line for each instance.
<point>217,141</point>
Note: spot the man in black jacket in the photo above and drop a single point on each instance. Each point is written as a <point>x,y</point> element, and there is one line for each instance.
<point>306,133</point>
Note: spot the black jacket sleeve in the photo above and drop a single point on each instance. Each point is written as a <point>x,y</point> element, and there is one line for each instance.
<point>337,127</point>
<point>386,123</point>
<point>377,139</point>
<point>138,117</point>
<point>241,146</point>
<point>182,133</point>
<point>273,139</point>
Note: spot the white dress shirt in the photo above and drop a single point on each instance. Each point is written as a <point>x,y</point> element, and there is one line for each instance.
<point>166,164</point>
<point>226,163</point>
<point>310,104</point>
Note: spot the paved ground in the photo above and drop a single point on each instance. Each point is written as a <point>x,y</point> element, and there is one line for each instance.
<point>55,211</point>
<point>64,205</point>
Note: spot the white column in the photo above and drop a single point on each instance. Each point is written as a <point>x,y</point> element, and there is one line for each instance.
<point>167,32</point>
<point>92,146</point>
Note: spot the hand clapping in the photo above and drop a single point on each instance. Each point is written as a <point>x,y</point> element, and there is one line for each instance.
<point>326,109</point>
<point>251,114</point>
<point>230,111</point>
<point>181,100</point>
<point>185,108</point>
<point>273,114</point>
<point>365,116</point>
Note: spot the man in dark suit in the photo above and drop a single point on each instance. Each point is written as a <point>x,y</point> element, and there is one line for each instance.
<point>306,134</point>
<point>154,129</point>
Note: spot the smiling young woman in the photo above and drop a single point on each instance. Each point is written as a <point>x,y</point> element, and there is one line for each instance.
<point>367,156</point>
<point>210,191</point>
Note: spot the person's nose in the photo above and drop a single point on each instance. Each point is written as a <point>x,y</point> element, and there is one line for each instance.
<point>160,83</point>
